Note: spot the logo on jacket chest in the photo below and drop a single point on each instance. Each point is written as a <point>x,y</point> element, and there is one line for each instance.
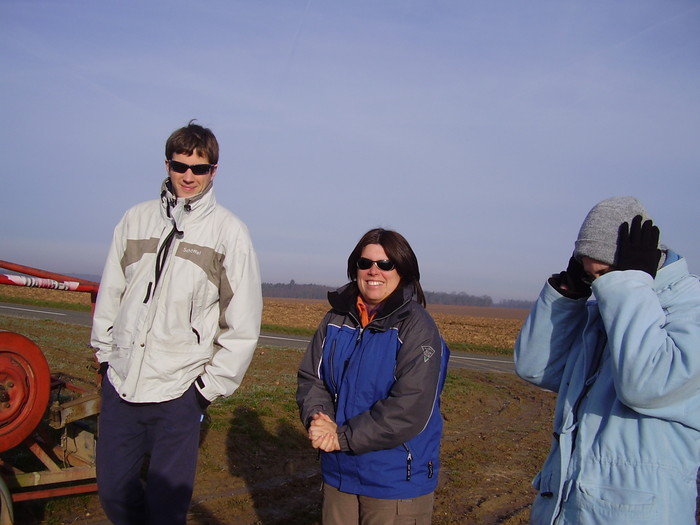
<point>204,257</point>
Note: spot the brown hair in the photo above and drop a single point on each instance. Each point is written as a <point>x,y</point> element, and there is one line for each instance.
<point>399,252</point>
<point>193,138</point>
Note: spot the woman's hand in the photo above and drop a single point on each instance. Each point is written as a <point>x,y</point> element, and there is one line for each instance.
<point>323,433</point>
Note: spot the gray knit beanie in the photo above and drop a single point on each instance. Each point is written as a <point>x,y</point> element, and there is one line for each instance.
<point>597,237</point>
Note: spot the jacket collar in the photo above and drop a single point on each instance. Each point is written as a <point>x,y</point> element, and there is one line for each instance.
<point>343,300</point>
<point>174,207</point>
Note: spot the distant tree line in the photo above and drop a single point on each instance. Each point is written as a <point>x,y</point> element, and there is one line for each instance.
<point>460,298</point>
<point>515,303</point>
<point>292,290</point>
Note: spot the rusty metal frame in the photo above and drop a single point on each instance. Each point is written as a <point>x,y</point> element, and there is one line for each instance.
<point>69,465</point>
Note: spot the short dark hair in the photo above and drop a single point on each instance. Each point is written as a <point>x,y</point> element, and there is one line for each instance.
<point>190,139</point>
<point>400,253</point>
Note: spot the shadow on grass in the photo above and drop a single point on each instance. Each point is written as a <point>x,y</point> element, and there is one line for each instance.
<point>202,515</point>
<point>280,469</point>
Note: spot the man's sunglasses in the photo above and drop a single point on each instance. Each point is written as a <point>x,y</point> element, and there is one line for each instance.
<point>385,264</point>
<point>197,169</point>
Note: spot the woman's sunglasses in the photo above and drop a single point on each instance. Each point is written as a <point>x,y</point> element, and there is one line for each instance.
<point>197,169</point>
<point>365,264</point>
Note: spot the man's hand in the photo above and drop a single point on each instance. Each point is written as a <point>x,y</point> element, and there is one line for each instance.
<point>323,433</point>
<point>101,371</point>
<point>638,246</point>
<point>572,283</point>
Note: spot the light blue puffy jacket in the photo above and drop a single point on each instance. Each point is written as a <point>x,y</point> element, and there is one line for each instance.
<point>626,440</point>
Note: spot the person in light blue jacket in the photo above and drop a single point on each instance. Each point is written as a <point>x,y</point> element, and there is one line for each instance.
<point>626,368</point>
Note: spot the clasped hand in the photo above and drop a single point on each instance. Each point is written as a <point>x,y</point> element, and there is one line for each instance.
<point>323,433</point>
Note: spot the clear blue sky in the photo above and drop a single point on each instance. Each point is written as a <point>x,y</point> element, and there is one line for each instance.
<point>482,131</point>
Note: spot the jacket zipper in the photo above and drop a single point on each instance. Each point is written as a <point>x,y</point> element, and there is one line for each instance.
<point>345,366</point>
<point>333,381</point>
<point>409,460</point>
<point>342,375</point>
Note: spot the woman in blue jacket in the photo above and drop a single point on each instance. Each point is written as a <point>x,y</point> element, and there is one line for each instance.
<point>626,367</point>
<point>369,390</point>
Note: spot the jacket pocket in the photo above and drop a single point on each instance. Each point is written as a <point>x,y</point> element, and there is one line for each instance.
<point>590,502</point>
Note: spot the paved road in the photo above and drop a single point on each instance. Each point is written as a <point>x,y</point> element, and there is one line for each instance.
<point>41,312</point>
<point>458,359</point>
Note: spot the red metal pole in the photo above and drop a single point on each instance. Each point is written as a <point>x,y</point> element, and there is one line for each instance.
<point>44,279</point>
<point>51,493</point>
<point>88,285</point>
<point>39,282</point>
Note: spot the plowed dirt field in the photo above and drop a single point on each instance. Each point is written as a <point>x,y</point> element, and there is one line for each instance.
<point>256,467</point>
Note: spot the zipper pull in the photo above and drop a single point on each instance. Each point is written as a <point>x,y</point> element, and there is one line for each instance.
<point>409,459</point>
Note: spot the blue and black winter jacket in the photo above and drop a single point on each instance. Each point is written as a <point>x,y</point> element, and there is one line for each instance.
<point>381,384</point>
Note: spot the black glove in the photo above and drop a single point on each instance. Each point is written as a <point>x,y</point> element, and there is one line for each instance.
<point>638,246</point>
<point>573,283</point>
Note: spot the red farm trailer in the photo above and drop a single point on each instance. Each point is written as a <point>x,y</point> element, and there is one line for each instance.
<point>48,423</point>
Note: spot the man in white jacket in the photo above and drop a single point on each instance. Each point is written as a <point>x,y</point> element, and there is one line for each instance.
<point>176,324</point>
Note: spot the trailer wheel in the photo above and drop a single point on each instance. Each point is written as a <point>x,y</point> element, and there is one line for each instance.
<point>25,385</point>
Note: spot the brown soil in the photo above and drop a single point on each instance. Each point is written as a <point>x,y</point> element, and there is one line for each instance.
<point>256,467</point>
<point>474,325</point>
<point>41,294</point>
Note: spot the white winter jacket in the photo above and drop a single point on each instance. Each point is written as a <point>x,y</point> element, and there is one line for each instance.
<point>180,299</point>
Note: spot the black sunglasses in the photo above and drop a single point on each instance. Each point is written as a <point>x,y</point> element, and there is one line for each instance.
<point>197,169</point>
<point>365,264</point>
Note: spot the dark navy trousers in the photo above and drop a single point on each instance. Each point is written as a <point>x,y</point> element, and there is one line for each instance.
<point>164,437</point>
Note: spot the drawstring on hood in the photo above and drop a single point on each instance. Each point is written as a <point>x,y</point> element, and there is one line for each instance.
<point>169,202</point>
<point>169,199</point>
<point>173,212</point>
